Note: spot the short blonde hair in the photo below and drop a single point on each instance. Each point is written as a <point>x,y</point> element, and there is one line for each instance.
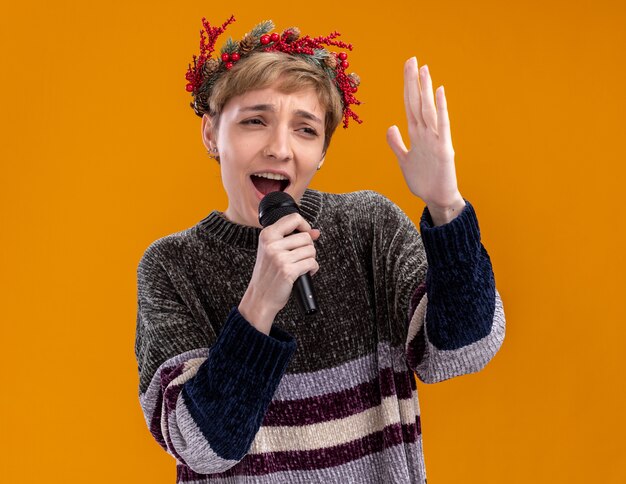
<point>262,69</point>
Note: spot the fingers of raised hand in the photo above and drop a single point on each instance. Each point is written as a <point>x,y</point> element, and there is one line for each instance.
<point>429,112</point>
<point>443,121</point>
<point>412,97</point>
<point>396,143</point>
<point>421,109</point>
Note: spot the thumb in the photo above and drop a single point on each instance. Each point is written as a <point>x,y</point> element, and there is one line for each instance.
<point>394,139</point>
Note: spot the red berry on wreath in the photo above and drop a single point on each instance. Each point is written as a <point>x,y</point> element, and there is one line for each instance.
<point>343,55</point>
<point>344,63</point>
<point>225,57</point>
<point>189,87</point>
<point>275,37</point>
<point>234,56</point>
<point>229,65</point>
<point>265,39</point>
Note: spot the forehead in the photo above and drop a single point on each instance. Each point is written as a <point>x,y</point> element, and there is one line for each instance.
<point>271,99</point>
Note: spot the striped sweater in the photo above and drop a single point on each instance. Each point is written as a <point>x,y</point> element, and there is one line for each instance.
<point>330,397</point>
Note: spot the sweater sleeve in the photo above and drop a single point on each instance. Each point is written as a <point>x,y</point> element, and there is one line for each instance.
<point>441,291</point>
<point>203,397</point>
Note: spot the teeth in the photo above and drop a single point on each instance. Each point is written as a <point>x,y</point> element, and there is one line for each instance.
<point>272,176</point>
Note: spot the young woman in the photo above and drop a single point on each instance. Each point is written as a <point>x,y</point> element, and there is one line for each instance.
<point>233,381</point>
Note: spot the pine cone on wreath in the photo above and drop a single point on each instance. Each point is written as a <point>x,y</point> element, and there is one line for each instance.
<point>209,67</point>
<point>354,79</point>
<point>331,61</point>
<point>247,44</point>
<point>291,34</point>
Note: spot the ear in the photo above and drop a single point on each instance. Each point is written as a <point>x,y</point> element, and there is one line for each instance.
<point>208,138</point>
<point>319,165</point>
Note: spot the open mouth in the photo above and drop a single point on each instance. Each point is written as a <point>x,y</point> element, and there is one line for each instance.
<point>266,185</point>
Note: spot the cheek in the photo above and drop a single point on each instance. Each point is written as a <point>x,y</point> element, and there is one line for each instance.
<point>310,150</point>
<point>307,175</point>
<point>240,150</point>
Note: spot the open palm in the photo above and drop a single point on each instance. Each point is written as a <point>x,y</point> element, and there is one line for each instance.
<point>428,167</point>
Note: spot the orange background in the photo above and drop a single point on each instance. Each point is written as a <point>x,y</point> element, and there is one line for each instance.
<point>101,155</point>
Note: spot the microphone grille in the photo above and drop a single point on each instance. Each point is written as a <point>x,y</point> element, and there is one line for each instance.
<point>274,206</point>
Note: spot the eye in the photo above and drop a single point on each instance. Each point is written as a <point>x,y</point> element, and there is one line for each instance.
<point>310,131</point>
<point>253,121</point>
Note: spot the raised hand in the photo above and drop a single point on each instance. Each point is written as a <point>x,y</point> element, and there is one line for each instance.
<point>428,167</point>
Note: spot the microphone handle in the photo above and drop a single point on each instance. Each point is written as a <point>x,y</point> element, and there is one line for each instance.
<point>272,207</point>
<point>304,295</point>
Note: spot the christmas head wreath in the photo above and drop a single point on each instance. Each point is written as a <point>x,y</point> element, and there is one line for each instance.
<point>206,70</point>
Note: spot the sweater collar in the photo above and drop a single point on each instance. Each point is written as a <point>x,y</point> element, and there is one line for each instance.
<point>232,233</point>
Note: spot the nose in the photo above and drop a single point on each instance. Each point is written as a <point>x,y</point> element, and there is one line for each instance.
<point>279,144</point>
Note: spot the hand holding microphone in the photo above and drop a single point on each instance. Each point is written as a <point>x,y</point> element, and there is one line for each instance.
<point>285,256</point>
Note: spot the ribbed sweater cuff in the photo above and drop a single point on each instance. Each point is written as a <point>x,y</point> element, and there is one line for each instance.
<point>454,242</point>
<point>264,355</point>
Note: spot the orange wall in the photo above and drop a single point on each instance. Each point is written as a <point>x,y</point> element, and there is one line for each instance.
<point>101,155</point>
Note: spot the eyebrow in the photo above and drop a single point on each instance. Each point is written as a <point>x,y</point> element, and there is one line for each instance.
<point>270,107</point>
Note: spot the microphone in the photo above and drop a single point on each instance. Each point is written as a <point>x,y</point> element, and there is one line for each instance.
<point>274,206</point>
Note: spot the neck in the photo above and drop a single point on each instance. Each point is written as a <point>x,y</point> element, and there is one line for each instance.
<point>220,225</point>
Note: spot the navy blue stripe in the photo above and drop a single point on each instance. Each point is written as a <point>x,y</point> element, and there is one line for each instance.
<point>459,282</point>
<point>233,387</point>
